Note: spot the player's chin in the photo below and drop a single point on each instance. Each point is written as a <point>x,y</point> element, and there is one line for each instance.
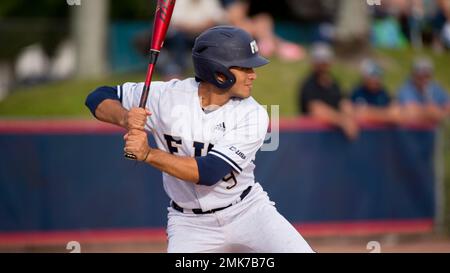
<point>246,92</point>
<point>242,96</point>
<point>241,93</point>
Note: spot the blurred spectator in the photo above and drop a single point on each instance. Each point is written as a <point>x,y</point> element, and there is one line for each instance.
<point>64,63</point>
<point>387,32</point>
<point>261,26</point>
<point>32,65</point>
<point>371,100</point>
<point>313,10</point>
<point>186,19</point>
<point>421,98</point>
<point>320,94</point>
<point>422,20</point>
<point>443,23</point>
<point>189,19</point>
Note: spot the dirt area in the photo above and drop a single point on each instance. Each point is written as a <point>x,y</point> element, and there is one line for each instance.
<point>383,244</point>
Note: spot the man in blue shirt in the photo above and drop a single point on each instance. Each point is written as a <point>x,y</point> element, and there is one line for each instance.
<point>370,98</point>
<point>371,90</point>
<point>421,98</point>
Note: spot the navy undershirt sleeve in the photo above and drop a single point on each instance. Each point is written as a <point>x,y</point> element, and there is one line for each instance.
<point>100,94</point>
<point>211,169</point>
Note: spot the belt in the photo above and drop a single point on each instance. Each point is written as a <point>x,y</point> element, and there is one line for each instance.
<point>200,211</point>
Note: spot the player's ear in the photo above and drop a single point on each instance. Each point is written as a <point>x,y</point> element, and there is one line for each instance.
<point>221,78</point>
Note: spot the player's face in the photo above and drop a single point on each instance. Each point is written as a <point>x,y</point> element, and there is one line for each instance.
<point>244,82</point>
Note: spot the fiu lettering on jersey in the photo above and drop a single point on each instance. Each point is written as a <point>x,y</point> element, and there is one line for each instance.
<point>199,146</point>
<point>173,143</point>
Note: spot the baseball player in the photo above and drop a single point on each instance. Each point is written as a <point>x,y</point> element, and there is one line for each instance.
<point>208,130</point>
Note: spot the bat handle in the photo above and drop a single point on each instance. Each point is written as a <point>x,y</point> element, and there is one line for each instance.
<point>130,156</point>
<point>146,89</point>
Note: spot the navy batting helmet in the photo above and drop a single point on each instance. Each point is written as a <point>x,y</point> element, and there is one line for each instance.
<point>219,48</point>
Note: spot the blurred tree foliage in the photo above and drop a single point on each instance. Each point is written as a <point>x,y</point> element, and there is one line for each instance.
<point>132,9</point>
<point>119,9</point>
<point>24,22</point>
<point>33,9</point>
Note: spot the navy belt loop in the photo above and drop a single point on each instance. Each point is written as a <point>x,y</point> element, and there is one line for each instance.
<point>200,211</point>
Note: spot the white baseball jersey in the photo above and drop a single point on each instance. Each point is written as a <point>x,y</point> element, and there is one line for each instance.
<point>234,132</point>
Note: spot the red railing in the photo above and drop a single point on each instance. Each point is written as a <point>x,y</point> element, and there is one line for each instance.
<point>76,126</point>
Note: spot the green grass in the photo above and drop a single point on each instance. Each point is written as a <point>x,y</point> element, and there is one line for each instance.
<point>277,84</point>
<point>62,99</point>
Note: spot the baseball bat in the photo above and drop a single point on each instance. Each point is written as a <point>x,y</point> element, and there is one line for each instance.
<point>163,14</point>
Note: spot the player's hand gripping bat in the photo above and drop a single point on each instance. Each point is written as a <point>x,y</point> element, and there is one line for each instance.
<point>163,14</point>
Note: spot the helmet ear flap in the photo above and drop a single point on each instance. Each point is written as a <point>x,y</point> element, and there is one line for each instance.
<point>207,70</point>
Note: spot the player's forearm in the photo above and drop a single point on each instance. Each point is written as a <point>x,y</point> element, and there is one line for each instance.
<point>112,111</point>
<point>181,167</point>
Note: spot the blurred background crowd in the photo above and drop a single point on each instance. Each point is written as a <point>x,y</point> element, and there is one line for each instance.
<point>47,41</point>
